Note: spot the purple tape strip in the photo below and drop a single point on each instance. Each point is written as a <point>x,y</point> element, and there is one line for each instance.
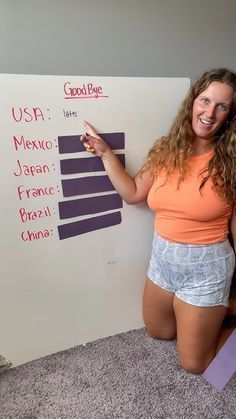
<point>90,224</point>
<point>223,365</point>
<point>81,165</point>
<point>86,185</point>
<point>92,205</point>
<point>72,143</point>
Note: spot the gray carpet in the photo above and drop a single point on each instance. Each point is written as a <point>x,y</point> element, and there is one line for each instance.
<point>125,376</point>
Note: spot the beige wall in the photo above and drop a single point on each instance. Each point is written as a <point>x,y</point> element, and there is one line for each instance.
<point>164,38</point>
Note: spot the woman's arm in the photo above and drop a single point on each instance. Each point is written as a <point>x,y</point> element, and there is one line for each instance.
<point>132,189</point>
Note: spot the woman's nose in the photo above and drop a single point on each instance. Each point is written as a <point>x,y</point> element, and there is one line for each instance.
<point>210,111</point>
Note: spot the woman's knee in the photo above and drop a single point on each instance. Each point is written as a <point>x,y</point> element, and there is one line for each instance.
<point>193,366</point>
<point>167,333</point>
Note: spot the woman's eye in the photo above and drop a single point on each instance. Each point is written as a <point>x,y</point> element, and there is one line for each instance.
<point>204,100</point>
<point>223,107</point>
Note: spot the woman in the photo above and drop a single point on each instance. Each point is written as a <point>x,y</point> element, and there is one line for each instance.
<point>189,181</point>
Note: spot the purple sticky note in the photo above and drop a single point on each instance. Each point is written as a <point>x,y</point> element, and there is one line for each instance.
<point>86,185</point>
<point>90,205</point>
<point>82,165</point>
<point>72,143</point>
<point>223,365</point>
<point>89,224</point>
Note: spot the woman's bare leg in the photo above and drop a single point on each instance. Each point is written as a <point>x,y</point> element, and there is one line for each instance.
<point>158,313</point>
<point>199,334</point>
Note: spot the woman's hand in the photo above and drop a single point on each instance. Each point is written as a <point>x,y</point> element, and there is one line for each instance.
<point>93,142</point>
<point>132,190</point>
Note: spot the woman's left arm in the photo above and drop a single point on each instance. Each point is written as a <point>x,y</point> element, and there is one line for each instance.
<point>233,227</point>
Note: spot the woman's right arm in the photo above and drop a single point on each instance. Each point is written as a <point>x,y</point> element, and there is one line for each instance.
<point>132,189</point>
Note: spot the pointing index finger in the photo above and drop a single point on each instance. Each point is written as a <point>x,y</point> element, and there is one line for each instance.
<point>90,130</point>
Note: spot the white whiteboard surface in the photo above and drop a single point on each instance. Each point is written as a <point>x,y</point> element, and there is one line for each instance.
<point>58,293</point>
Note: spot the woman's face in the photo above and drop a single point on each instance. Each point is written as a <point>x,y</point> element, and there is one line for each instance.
<point>211,108</point>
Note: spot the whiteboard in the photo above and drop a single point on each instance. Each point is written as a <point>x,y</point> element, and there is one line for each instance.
<point>74,256</point>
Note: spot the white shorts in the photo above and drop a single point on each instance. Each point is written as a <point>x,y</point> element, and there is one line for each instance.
<point>200,275</point>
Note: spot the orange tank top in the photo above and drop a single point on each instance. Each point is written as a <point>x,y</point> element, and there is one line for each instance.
<point>187,215</point>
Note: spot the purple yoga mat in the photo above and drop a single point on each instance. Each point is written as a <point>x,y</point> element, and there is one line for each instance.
<point>223,365</point>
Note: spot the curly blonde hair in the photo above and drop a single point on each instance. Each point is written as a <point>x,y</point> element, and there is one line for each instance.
<point>172,152</point>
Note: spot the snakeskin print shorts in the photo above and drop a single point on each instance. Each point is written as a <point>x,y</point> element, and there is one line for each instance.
<point>200,275</point>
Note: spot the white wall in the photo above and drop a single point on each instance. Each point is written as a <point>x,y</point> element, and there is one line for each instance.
<point>57,293</point>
